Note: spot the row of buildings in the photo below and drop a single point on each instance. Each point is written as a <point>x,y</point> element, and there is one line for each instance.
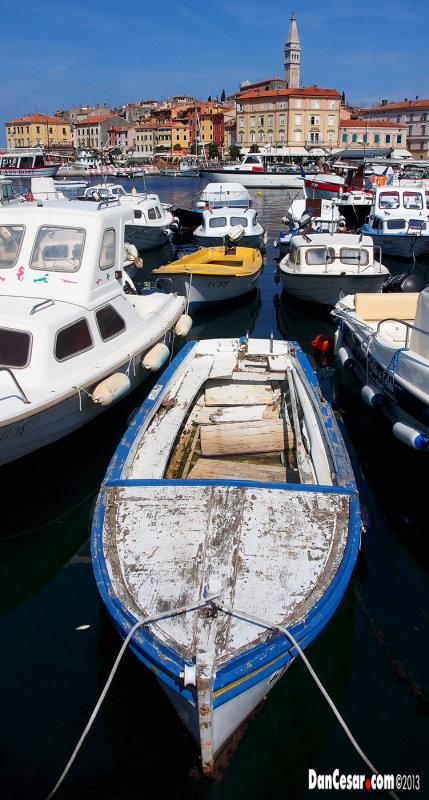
<point>276,115</point>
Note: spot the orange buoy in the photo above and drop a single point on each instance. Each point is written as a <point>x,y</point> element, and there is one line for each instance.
<point>323,343</point>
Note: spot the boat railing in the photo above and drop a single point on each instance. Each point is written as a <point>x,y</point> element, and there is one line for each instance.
<point>41,305</point>
<point>16,382</point>
<point>410,328</point>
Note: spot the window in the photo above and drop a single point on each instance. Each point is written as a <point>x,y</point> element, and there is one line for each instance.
<point>217,222</point>
<point>282,104</point>
<point>14,348</point>
<point>395,224</point>
<point>299,103</point>
<point>332,104</point>
<point>387,138</point>
<point>376,138</point>
<point>252,122</point>
<point>354,137</point>
<point>298,119</point>
<point>344,137</point>
<point>413,200</point>
<point>58,249</point>
<point>72,340</point>
<point>260,120</point>
<point>331,120</point>
<point>241,122</point>
<point>10,244</point>
<point>282,119</point>
<point>107,252</point>
<point>239,221</point>
<point>109,322</point>
<point>389,200</point>
<point>352,255</point>
<point>318,256</point>
<point>270,120</point>
<point>315,103</point>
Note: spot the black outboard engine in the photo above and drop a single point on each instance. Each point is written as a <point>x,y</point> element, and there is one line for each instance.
<point>405,282</point>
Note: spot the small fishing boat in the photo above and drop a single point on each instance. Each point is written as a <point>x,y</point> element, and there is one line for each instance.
<point>398,221</point>
<point>226,528</point>
<point>309,216</point>
<point>212,274</point>
<point>323,185</point>
<point>75,336</point>
<point>384,339</point>
<point>322,267</point>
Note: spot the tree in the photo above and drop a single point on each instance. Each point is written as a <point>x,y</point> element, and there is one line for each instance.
<point>254,148</point>
<point>222,97</point>
<point>234,152</point>
<point>213,150</point>
<point>209,99</point>
<point>177,147</point>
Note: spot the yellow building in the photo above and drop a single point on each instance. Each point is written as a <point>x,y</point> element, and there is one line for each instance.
<point>37,129</point>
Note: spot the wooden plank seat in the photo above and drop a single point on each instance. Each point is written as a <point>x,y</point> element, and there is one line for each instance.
<point>221,469</point>
<point>220,393</point>
<point>263,436</point>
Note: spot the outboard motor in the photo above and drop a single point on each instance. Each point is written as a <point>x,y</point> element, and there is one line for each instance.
<point>405,282</point>
<point>233,236</point>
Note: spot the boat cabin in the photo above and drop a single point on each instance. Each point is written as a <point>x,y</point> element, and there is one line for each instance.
<point>335,253</point>
<point>398,209</point>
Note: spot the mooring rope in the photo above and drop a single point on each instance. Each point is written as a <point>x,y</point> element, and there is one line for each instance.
<point>154,618</point>
<point>233,612</point>
<point>263,623</point>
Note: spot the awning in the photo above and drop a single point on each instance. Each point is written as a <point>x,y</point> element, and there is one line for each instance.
<point>401,154</point>
<point>317,151</point>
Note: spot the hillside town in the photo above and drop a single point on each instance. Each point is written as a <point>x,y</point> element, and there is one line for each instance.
<point>277,116</point>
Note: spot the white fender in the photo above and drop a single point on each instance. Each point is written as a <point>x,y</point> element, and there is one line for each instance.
<point>156,357</point>
<point>338,339</point>
<point>111,389</point>
<point>372,396</point>
<point>410,436</point>
<point>183,325</point>
<point>346,357</point>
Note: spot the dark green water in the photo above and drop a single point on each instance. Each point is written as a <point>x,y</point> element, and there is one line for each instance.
<point>372,657</point>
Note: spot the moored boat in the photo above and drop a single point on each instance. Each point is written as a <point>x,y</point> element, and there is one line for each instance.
<point>212,274</point>
<point>398,221</point>
<point>323,267</point>
<point>74,337</point>
<point>384,339</point>
<point>26,163</point>
<point>226,529</point>
<point>253,172</point>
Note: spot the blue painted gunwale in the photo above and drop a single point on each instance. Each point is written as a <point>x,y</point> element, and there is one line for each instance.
<point>254,665</point>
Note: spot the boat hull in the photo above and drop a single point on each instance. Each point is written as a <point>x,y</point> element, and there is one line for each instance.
<point>202,290</point>
<point>399,245</point>
<point>145,237</point>
<point>328,289</point>
<point>253,179</point>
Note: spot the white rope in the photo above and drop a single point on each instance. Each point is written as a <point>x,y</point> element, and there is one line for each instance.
<point>171,613</point>
<point>249,618</point>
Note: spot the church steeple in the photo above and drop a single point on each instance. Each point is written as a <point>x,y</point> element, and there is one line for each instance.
<point>292,55</point>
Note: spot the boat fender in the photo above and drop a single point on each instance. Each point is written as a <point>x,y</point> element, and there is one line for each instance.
<point>372,396</point>
<point>346,357</point>
<point>410,436</point>
<point>183,325</point>
<point>323,343</point>
<point>111,389</point>
<point>156,357</point>
<point>189,675</point>
<point>338,339</point>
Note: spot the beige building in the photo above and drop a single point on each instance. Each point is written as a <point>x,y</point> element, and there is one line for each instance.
<point>37,129</point>
<point>93,132</point>
<point>371,138</point>
<point>293,120</point>
<point>413,115</point>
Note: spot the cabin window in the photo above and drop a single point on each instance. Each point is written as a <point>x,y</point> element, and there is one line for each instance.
<point>11,237</point>
<point>320,255</point>
<point>389,200</point>
<point>151,213</point>
<point>58,249</point>
<point>107,252</point>
<point>294,255</point>
<point>109,322</point>
<point>14,348</point>
<point>217,222</point>
<point>72,340</point>
<point>354,255</point>
<point>395,224</point>
<point>239,221</point>
<point>413,200</point>
<point>417,224</point>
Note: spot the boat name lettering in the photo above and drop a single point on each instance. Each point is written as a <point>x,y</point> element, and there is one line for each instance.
<point>12,433</point>
<point>212,284</point>
<point>380,377</point>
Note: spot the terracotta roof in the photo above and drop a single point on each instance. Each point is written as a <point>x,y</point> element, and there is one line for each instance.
<point>93,120</point>
<point>309,91</point>
<point>34,118</point>
<point>370,123</point>
<point>401,105</point>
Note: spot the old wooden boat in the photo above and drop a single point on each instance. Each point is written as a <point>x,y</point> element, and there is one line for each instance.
<point>212,274</point>
<point>226,529</point>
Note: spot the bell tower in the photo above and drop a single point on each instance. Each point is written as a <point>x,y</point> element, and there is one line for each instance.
<point>292,55</point>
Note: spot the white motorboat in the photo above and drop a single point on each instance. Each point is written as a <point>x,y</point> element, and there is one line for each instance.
<point>237,224</point>
<point>323,267</point>
<point>384,339</point>
<point>309,216</point>
<point>219,195</point>
<point>398,221</point>
<point>226,529</point>
<point>26,163</point>
<point>150,223</point>
<point>74,335</point>
<point>254,172</point>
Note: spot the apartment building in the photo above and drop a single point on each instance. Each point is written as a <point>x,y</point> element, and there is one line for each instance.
<point>411,114</point>
<point>37,129</point>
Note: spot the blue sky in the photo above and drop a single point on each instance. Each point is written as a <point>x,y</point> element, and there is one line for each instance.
<point>58,54</point>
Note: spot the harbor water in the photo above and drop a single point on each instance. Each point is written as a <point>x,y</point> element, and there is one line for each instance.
<point>58,645</point>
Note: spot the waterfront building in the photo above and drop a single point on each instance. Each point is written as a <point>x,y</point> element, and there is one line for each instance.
<point>34,130</point>
<point>413,114</point>
<point>369,138</point>
<point>93,132</point>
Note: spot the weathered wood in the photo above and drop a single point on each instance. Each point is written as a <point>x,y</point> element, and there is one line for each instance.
<point>245,437</point>
<point>216,414</point>
<point>214,468</point>
<point>221,394</point>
